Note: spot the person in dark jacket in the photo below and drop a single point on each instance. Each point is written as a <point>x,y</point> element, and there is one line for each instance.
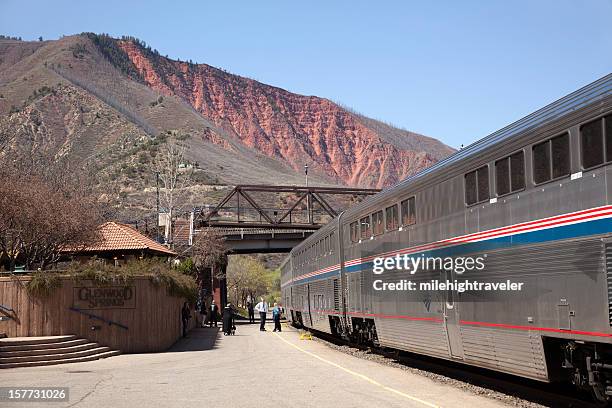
<point>228,320</point>
<point>185,316</point>
<point>251,309</point>
<point>213,314</point>
<point>276,316</point>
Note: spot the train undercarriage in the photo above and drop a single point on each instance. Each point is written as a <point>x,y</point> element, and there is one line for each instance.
<point>588,366</point>
<point>358,331</point>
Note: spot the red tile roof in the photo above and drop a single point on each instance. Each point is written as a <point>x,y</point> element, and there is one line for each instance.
<point>115,236</point>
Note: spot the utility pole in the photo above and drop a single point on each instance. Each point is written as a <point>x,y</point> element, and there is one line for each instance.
<point>157,215</point>
<point>308,202</point>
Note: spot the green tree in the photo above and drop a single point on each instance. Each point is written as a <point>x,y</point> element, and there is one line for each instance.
<point>247,276</point>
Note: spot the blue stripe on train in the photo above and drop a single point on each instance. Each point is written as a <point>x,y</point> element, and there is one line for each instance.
<point>582,229</point>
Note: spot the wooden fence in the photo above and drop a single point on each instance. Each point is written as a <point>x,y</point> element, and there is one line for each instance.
<point>145,318</point>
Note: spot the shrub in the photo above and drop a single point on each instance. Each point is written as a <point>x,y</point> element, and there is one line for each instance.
<point>43,283</point>
<point>160,273</point>
<point>177,284</point>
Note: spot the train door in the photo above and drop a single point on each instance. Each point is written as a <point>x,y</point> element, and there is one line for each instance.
<point>451,320</point>
<point>309,309</point>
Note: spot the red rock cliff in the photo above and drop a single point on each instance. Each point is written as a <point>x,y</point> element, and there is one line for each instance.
<point>298,129</point>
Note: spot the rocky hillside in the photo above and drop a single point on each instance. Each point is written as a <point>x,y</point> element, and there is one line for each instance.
<point>294,128</point>
<point>93,97</point>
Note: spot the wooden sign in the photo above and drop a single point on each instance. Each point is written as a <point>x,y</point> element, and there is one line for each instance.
<point>105,297</point>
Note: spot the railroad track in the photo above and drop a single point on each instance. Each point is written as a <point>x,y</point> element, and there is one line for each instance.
<point>529,391</point>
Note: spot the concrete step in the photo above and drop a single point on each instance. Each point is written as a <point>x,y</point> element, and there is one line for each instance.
<point>26,347</point>
<point>49,357</point>
<point>64,361</point>
<point>83,345</point>
<point>21,341</point>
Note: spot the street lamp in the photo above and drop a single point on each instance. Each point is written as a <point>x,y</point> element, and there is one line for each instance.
<point>306,173</point>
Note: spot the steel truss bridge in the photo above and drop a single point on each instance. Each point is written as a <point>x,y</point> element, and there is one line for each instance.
<point>291,217</point>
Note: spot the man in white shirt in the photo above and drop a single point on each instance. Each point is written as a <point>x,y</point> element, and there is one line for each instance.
<point>262,308</point>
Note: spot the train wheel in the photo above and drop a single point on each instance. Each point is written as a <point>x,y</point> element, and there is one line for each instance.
<point>599,395</point>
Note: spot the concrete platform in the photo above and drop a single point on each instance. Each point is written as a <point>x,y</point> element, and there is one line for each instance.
<point>251,369</point>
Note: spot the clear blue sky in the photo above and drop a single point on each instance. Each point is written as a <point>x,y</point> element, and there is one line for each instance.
<point>455,70</point>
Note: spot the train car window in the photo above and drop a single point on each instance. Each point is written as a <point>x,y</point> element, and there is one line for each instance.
<point>608,130</point>
<point>510,174</point>
<point>354,231</point>
<point>551,159</point>
<point>477,185</point>
<point>541,162</point>
<point>592,143</point>
<point>391,219</point>
<point>471,196</point>
<point>517,171</point>
<point>377,222</point>
<point>366,232</point>
<point>502,176</point>
<point>408,208</point>
<point>482,177</point>
<point>560,155</point>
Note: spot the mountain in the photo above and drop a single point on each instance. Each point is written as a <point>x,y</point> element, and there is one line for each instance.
<point>96,99</point>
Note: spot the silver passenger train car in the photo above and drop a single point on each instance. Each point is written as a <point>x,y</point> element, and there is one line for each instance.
<point>535,200</point>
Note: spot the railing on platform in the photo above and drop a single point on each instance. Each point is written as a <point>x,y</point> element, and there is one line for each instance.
<point>6,313</point>
<point>6,309</point>
<point>100,318</point>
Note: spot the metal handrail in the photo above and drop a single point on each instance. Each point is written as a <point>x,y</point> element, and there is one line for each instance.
<point>7,309</point>
<point>96,317</point>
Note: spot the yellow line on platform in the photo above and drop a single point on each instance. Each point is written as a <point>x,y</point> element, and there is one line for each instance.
<point>363,377</point>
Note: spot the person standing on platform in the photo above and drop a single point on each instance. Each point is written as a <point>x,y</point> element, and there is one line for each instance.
<point>276,316</point>
<point>251,310</point>
<point>262,308</point>
<point>228,320</point>
<point>214,314</point>
<point>185,316</point>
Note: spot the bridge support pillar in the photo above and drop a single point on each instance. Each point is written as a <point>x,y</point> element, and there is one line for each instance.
<point>219,282</point>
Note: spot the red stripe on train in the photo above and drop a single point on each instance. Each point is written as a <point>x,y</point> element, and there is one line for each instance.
<point>545,329</point>
<point>471,323</point>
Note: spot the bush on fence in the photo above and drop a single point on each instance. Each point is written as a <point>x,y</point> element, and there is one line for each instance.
<point>177,284</point>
